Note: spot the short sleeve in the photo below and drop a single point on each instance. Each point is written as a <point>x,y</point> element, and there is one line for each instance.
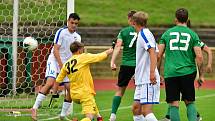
<point>120,36</point>
<point>58,37</point>
<point>162,40</point>
<point>78,38</point>
<point>197,41</point>
<point>148,39</point>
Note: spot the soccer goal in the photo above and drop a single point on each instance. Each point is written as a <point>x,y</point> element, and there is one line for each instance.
<point>22,72</point>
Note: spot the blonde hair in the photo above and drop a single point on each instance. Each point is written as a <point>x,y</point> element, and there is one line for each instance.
<point>140,18</point>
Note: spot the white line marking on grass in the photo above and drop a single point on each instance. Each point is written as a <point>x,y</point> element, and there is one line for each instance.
<point>210,95</point>
<point>122,108</point>
<point>52,118</point>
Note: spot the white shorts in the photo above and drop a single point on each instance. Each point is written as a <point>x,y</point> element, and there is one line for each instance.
<point>52,70</point>
<point>147,93</point>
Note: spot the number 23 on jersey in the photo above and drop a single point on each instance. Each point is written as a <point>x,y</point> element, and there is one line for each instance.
<point>174,43</point>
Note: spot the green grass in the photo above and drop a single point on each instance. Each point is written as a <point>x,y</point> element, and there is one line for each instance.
<point>110,12</point>
<point>161,12</point>
<point>205,105</point>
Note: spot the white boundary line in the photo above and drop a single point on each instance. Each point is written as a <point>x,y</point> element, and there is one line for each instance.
<point>122,108</point>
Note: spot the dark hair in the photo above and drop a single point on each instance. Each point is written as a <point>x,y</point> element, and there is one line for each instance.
<point>75,46</point>
<point>182,15</point>
<point>188,23</point>
<point>74,16</point>
<point>131,13</point>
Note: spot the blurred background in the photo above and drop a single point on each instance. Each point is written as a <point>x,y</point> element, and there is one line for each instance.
<point>22,72</point>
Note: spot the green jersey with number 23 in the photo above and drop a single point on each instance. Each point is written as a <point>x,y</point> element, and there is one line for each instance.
<point>179,53</point>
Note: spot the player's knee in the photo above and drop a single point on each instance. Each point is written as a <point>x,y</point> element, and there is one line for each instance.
<point>120,91</point>
<point>188,102</point>
<point>174,103</point>
<point>136,109</point>
<point>146,112</point>
<point>49,83</point>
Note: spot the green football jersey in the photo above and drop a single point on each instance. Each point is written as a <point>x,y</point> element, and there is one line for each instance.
<point>179,53</point>
<point>128,36</point>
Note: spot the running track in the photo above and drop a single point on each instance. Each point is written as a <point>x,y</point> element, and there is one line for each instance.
<point>111,84</point>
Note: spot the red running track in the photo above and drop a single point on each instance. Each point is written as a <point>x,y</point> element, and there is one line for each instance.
<point>105,84</point>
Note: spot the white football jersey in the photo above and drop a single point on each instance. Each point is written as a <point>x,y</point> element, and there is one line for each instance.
<point>145,40</point>
<point>64,38</point>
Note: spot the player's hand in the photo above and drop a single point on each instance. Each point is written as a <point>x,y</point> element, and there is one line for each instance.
<point>153,78</point>
<point>114,43</point>
<point>60,65</point>
<point>109,51</point>
<point>200,81</point>
<point>208,69</point>
<point>161,80</point>
<point>113,66</point>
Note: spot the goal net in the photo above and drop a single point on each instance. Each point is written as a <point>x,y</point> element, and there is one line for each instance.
<point>39,19</point>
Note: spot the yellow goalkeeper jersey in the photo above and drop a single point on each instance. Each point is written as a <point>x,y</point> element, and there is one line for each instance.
<point>78,71</point>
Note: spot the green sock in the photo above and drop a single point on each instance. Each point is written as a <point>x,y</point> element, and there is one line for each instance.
<point>191,112</point>
<point>174,113</point>
<point>168,112</point>
<point>116,103</point>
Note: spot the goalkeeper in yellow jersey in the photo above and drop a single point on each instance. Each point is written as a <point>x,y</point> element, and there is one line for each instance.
<point>77,69</point>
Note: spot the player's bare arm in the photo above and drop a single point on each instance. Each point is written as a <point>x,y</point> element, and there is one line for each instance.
<point>153,64</point>
<point>199,59</point>
<point>115,54</point>
<point>57,55</point>
<point>210,58</point>
<point>161,48</point>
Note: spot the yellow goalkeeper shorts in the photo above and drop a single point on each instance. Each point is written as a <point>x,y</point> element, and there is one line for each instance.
<point>88,104</point>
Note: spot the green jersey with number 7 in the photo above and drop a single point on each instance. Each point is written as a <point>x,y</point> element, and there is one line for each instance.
<point>179,53</point>
<point>128,35</point>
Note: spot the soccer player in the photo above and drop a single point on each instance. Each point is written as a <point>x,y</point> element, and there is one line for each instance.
<point>147,79</point>
<point>182,47</point>
<point>77,69</point>
<point>200,78</point>
<point>208,51</point>
<point>126,38</point>
<point>60,53</point>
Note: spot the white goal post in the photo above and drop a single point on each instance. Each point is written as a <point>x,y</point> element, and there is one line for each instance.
<point>22,72</point>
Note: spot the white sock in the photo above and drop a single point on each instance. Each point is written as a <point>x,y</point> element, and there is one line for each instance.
<point>65,107</point>
<point>138,118</point>
<point>39,99</point>
<point>70,110</point>
<point>150,117</point>
<point>112,117</point>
